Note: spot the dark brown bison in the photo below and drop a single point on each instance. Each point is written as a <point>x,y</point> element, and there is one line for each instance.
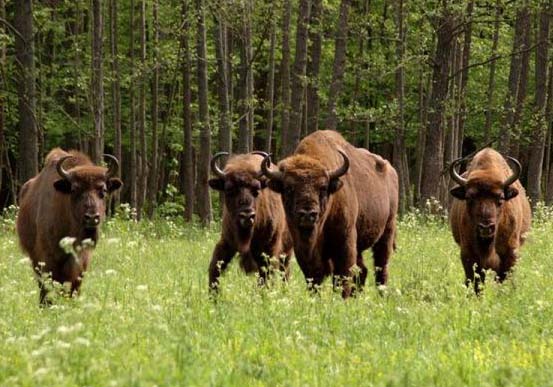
<point>253,222</point>
<point>66,199</point>
<point>490,216</point>
<point>339,201</point>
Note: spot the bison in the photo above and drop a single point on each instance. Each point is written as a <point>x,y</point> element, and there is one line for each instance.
<point>490,215</point>
<point>66,199</point>
<point>253,221</point>
<point>339,200</point>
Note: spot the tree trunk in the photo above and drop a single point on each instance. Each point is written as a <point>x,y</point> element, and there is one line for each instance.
<point>433,153</point>
<point>244,89</point>
<point>464,80</point>
<point>285,77</point>
<point>298,75</point>
<point>153,180</point>
<point>339,65</point>
<point>270,93</point>
<point>399,139</point>
<point>537,145</point>
<point>143,155</point>
<point>115,88</point>
<point>97,81</point>
<point>187,118</point>
<point>514,76</point>
<point>27,125</point>
<point>491,82</point>
<point>204,202</point>
<point>225,126</point>
<point>313,65</point>
<point>549,142</point>
<point>132,119</point>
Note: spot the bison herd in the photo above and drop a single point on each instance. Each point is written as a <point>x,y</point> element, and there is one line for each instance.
<point>327,203</point>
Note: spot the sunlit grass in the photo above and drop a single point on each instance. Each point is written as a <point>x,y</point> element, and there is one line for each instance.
<point>145,318</point>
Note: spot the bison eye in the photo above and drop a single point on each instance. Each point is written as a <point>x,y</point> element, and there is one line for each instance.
<point>102,193</point>
<point>255,192</point>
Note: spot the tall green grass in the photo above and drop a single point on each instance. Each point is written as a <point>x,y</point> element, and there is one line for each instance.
<point>145,318</point>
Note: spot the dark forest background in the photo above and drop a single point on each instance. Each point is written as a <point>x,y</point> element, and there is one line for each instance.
<point>163,85</point>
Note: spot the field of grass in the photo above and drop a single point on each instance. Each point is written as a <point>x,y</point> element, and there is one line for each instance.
<point>144,318</point>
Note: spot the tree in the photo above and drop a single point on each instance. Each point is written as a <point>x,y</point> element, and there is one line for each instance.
<point>24,52</point>
<point>154,178</point>
<point>537,145</point>
<point>313,66</point>
<point>338,67</point>
<point>298,76</point>
<point>433,152</point>
<point>115,85</point>
<point>285,76</point>
<point>97,80</point>
<point>188,156</point>
<point>204,200</point>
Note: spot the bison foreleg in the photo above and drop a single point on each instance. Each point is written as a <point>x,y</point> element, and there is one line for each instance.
<point>222,255</point>
<point>507,262</point>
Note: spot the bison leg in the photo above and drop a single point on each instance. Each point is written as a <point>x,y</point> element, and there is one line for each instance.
<point>222,255</point>
<point>382,250</point>
<point>343,265</point>
<point>507,263</point>
<point>363,271</point>
<point>474,273</point>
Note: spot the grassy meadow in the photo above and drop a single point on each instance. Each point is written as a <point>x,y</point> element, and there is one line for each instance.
<point>144,318</point>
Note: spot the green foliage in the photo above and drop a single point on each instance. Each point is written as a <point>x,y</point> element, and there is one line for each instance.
<point>144,318</point>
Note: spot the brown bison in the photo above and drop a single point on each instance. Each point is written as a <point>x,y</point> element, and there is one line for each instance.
<point>254,224</point>
<point>66,199</point>
<point>339,201</point>
<point>490,216</point>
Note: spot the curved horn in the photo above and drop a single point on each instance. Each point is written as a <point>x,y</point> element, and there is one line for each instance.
<point>260,153</point>
<point>59,167</point>
<point>277,175</point>
<point>343,169</point>
<point>516,171</point>
<point>113,165</point>
<point>214,167</point>
<point>453,172</point>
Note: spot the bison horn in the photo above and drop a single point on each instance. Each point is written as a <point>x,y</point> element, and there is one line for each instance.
<point>516,172</point>
<point>214,167</point>
<point>453,172</point>
<point>277,175</point>
<point>113,165</point>
<point>260,153</point>
<point>343,169</point>
<point>59,167</point>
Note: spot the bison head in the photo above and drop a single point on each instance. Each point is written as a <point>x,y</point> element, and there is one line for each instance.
<point>241,186</point>
<point>305,186</point>
<point>484,196</point>
<point>87,186</point>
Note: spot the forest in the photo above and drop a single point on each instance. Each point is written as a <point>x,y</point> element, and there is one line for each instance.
<point>163,85</point>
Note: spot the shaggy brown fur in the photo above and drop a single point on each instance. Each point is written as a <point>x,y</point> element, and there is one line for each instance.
<point>489,220</point>
<point>333,221</point>
<point>261,233</point>
<point>52,208</point>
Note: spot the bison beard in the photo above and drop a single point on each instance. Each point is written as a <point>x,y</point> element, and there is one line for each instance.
<point>339,201</point>
<point>59,203</point>
<point>253,221</point>
<point>490,215</point>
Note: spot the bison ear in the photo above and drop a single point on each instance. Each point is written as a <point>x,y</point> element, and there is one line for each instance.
<point>334,185</point>
<point>458,192</point>
<point>217,184</point>
<point>276,185</point>
<point>63,186</point>
<point>510,192</point>
<point>114,184</point>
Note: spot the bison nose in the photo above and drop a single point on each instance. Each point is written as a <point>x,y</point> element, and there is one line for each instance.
<point>246,217</point>
<point>486,229</point>
<point>92,219</point>
<point>308,217</point>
